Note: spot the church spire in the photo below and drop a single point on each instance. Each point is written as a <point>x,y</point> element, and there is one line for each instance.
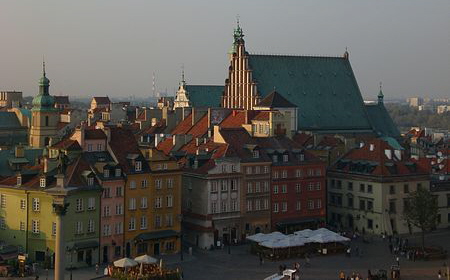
<point>380,94</point>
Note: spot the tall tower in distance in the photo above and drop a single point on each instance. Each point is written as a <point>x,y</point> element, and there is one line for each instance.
<point>240,89</point>
<point>44,115</point>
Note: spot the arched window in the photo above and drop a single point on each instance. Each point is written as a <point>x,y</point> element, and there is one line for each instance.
<point>46,120</point>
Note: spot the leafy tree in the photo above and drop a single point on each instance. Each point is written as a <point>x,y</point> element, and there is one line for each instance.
<point>421,211</point>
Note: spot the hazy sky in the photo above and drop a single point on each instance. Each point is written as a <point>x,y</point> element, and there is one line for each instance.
<point>112,47</point>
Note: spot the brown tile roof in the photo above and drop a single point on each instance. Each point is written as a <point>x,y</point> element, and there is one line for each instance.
<point>303,139</point>
<point>262,116</point>
<point>122,144</point>
<point>102,99</point>
<point>200,128</point>
<point>275,100</point>
<point>184,126</point>
<point>235,119</point>
<point>61,99</point>
<point>94,134</point>
<point>376,162</point>
<point>68,144</point>
<point>166,145</point>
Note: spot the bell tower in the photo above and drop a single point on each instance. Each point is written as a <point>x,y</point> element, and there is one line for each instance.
<point>44,115</point>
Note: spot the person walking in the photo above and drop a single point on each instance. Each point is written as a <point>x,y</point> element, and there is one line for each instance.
<point>96,268</point>
<point>341,275</point>
<point>439,274</point>
<point>398,260</point>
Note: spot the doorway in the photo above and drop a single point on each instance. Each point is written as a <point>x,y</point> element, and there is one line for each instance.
<point>156,249</point>
<point>128,250</point>
<point>89,257</point>
<point>105,254</point>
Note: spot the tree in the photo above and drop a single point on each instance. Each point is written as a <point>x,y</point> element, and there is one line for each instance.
<point>421,211</point>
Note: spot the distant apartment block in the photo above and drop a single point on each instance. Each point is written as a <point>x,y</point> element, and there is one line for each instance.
<point>441,109</point>
<point>414,101</point>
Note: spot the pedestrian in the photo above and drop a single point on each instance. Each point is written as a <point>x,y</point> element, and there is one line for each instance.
<point>439,274</point>
<point>341,275</point>
<point>281,269</point>
<point>96,268</point>
<point>398,261</point>
<point>383,236</point>
<point>106,271</point>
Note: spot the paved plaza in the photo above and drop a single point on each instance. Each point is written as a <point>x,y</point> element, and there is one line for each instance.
<point>240,264</point>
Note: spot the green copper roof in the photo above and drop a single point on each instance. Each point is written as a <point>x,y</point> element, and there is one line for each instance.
<point>205,96</point>
<point>43,101</point>
<point>381,121</point>
<point>9,120</point>
<point>324,89</point>
<point>6,155</point>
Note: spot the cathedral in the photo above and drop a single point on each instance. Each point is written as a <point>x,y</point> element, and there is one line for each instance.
<point>324,90</point>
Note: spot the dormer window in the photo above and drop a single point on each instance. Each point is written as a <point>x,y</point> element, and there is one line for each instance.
<point>90,181</point>
<point>285,158</point>
<point>118,173</point>
<point>138,166</point>
<point>19,180</point>
<point>302,157</point>
<point>106,173</point>
<point>42,182</point>
<point>275,158</point>
<point>255,154</point>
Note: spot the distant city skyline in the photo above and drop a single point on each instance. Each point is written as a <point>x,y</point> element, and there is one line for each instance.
<point>114,47</point>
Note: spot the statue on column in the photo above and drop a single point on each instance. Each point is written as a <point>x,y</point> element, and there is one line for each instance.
<point>62,162</point>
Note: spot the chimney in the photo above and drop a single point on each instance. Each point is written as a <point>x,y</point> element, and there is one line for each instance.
<point>372,147</point>
<point>60,180</point>
<point>46,163</point>
<point>193,115</point>
<point>19,151</point>
<point>246,116</point>
<point>197,141</point>
<point>107,132</point>
<point>137,112</point>
<point>209,133</point>
<point>398,154</point>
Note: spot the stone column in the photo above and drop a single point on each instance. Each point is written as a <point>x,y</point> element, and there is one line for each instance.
<point>60,209</point>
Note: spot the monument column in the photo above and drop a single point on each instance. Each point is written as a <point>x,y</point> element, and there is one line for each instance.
<point>60,205</point>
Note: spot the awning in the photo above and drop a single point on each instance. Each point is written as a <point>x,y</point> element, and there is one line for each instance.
<point>85,245</point>
<point>157,235</point>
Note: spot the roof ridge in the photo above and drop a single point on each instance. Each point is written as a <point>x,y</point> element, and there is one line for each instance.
<point>297,55</point>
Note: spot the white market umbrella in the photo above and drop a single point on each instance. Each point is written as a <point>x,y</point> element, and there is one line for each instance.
<point>125,262</point>
<point>305,233</point>
<point>145,259</point>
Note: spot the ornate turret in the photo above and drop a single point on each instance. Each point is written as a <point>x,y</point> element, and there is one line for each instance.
<point>238,36</point>
<point>43,101</point>
<point>380,94</point>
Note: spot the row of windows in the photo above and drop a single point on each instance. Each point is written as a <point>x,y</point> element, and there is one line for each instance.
<point>143,222</point>
<point>90,147</point>
<point>257,169</point>
<point>158,184</point>
<point>106,172</point>
<point>298,173</point>
<point>232,206</point>
<point>312,204</point>
<point>144,202</point>
<point>298,188</point>
<point>257,187</point>
<point>223,185</point>
<point>257,204</point>
<point>107,192</point>
<point>108,229</point>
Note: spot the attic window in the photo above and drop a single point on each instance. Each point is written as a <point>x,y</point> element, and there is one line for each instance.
<point>302,157</point>
<point>19,180</point>
<point>275,158</point>
<point>90,181</point>
<point>42,182</point>
<point>118,173</point>
<point>106,173</point>
<point>138,166</point>
<point>255,154</point>
<point>285,158</point>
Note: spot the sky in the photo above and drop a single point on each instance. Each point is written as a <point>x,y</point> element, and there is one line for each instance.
<point>111,47</point>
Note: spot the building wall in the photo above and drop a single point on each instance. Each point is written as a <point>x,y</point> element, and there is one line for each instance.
<point>254,220</point>
<point>39,131</point>
<point>112,225</point>
<point>303,191</point>
<point>13,216</point>
<point>381,217</point>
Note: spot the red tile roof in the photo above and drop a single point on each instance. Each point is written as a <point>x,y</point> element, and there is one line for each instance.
<point>122,144</point>
<point>184,126</point>
<point>166,145</point>
<point>262,116</point>
<point>303,139</point>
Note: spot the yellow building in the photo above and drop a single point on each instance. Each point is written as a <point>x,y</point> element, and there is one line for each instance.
<point>152,197</point>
